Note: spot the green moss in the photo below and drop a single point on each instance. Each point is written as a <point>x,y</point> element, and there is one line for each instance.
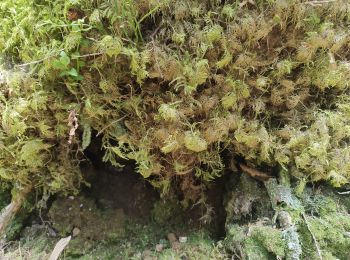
<point>268,238</point>
<point>330,231</point>
<point>166,210</point>
<point>172,85</point>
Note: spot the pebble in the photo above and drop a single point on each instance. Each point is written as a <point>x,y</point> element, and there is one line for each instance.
<point>76,231</point>
<point>159,247</point>
<point>176,245</point>
<point>51,232</point>
<point>171,238</point>
<point>147,255</point>
<point>182,239</point>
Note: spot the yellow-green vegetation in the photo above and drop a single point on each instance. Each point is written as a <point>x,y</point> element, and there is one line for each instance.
<point>315,226</point>
<point>185,89</point>
<point>171,85</point>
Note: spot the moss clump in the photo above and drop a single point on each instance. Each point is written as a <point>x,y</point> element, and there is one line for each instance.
<point>321,220</point>
<point>165,211</point>
<point>170,85</point>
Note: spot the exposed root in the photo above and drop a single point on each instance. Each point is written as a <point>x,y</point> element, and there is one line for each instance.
<point>10,211</point>
<point>256,174</point>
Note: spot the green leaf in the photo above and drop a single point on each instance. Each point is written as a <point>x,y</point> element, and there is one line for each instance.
<point>58,65</point>
<point>73,72</point>
<point>65,60</point>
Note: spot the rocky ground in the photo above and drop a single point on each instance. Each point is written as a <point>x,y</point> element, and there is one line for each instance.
<point>122,217</point>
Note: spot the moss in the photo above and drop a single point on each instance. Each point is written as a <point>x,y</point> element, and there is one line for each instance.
<point>220,54</point>
<point>268,238</point>
<point>257,242</point>
<point>180,88</point>
<point>83,214</point>
<point>166,210</point>
<point>198,246</point>
<point>330,231</point>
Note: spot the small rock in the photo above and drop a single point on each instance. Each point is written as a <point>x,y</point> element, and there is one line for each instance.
<point>285,219</point>
<point>171,238</point>
<point>159,247</point>
<point>347,234</point>
<point>176,245</point>
<point>75,232</point>
<point>146,253</point>
<point>182,239</point>
<point>51,232</point>
<point>220,245</point>
<point>71,197</point>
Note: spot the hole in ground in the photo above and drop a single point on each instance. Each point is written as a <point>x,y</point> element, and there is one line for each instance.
<point>123,188</point>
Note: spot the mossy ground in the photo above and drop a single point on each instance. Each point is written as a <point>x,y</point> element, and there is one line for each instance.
<point>253,230</point>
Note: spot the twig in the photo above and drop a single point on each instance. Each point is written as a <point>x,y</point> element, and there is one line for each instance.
<point>255,173</point>
<point>319,2</point>
<point>103,129</point>
<point>88,55</point>
<point>313,237</point>
<point>54,55</point>
<point>38,61</point>
<point>344,192</point>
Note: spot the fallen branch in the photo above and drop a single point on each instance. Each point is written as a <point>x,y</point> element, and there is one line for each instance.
<point>10,211</point>
<point>255,173</point>
<point>344,192</point>
<point>59,247</point>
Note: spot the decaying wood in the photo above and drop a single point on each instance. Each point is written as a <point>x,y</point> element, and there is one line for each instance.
<point>59,247</point>
<point>255,173</point>
<point>10,211</point>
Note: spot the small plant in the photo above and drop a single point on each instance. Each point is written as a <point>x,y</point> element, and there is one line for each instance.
<point>63,64</point>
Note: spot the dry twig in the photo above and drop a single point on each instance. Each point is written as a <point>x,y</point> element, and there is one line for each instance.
<point>313,238</point>
<point>319,2</point>
<point>73,124</point>
<point>344,192</point>
<point>255,173</point>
